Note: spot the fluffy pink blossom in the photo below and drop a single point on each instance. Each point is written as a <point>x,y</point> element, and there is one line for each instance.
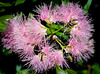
<point>46,59</point>
<point>48,14</point>
<point>70,11</point>
<point>81,46</point>
<point>79,49</point>
<point>22,36</point>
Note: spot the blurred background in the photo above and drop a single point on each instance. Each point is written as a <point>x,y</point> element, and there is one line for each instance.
<point>10,63</point>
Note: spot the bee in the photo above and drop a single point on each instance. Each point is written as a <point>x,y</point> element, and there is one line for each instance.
<point>71,59</point>
<point>72,22</point>
<point>41,56</point>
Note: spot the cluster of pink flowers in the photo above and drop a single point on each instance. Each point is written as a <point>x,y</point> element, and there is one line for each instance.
<point>28,38</point>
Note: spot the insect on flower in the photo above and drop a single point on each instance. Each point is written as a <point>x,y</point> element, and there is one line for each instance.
<point>72,22</point>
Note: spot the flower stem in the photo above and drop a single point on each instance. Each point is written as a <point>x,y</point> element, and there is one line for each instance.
<point>59,29</point>
<point>60,44</point>
<point>50,29</point>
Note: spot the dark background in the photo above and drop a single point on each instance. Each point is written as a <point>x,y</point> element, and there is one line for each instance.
<point>8,63</point>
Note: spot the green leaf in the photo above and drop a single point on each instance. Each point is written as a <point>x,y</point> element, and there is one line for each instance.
<point>96,68</point>
<point>65,1</point>
<point>60,34</point>
<point>6,17</point>
<point>25,71</point>
<point>6,52</point>
<point>55,26</point>
<point>3,20</point>
<point>31,15</point>
<point>48,31</point>
<point>80,62</point>
<point>19,2</point>
<point>87,5</point>
<point>70,71</point>
<point>2,26</point>
<point>5,4</point>
<point>59,70</point>
<point>34,0</point>
<point>1,72</point>
<point>55,1</point>
<point>85,72</point>
<point>2,10</point>
<point>82,71</point>
<point>18,67</point>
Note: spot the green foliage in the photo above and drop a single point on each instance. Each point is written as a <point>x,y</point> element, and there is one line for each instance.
<point>5,4</point>
<point>25,71</point>
<point>80,62</point>
<point>3,20</point>
<point>1,72</point>
<point>96,68</point>
<point>61,71</point>
<point>87,5</point>
<point>70,71</point>
<point>54,28</point>
<point>82,72</point>
<point>60,34</point>
<point>2,10</point>
<point>18,67</point>
<point>19,2</point>
<point>34,0</point>
<point>65,1</point>
<point>6,52</point>
<point>6,17</point>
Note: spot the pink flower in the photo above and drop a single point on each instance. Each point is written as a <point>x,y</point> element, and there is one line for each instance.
<point>21,36</point>
<point>47,14</point>
<point>80,44</point>
<point>43,62</point>
<point>69,12</point>
<point>46,59</point>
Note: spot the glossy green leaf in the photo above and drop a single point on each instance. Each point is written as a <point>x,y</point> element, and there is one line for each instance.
<point>6,17</point>
<point>70,71</point>
<point>60,34</point>
<point>87,5</point>
<point>3,20</point>
<point>48,31</point>
<point>5,4</point>
<point>19,2</point>
<point>25,71</point>
<point>2,26</point>
<point>55,26</point>
<point>96,68</point>
<point>59,70</point>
